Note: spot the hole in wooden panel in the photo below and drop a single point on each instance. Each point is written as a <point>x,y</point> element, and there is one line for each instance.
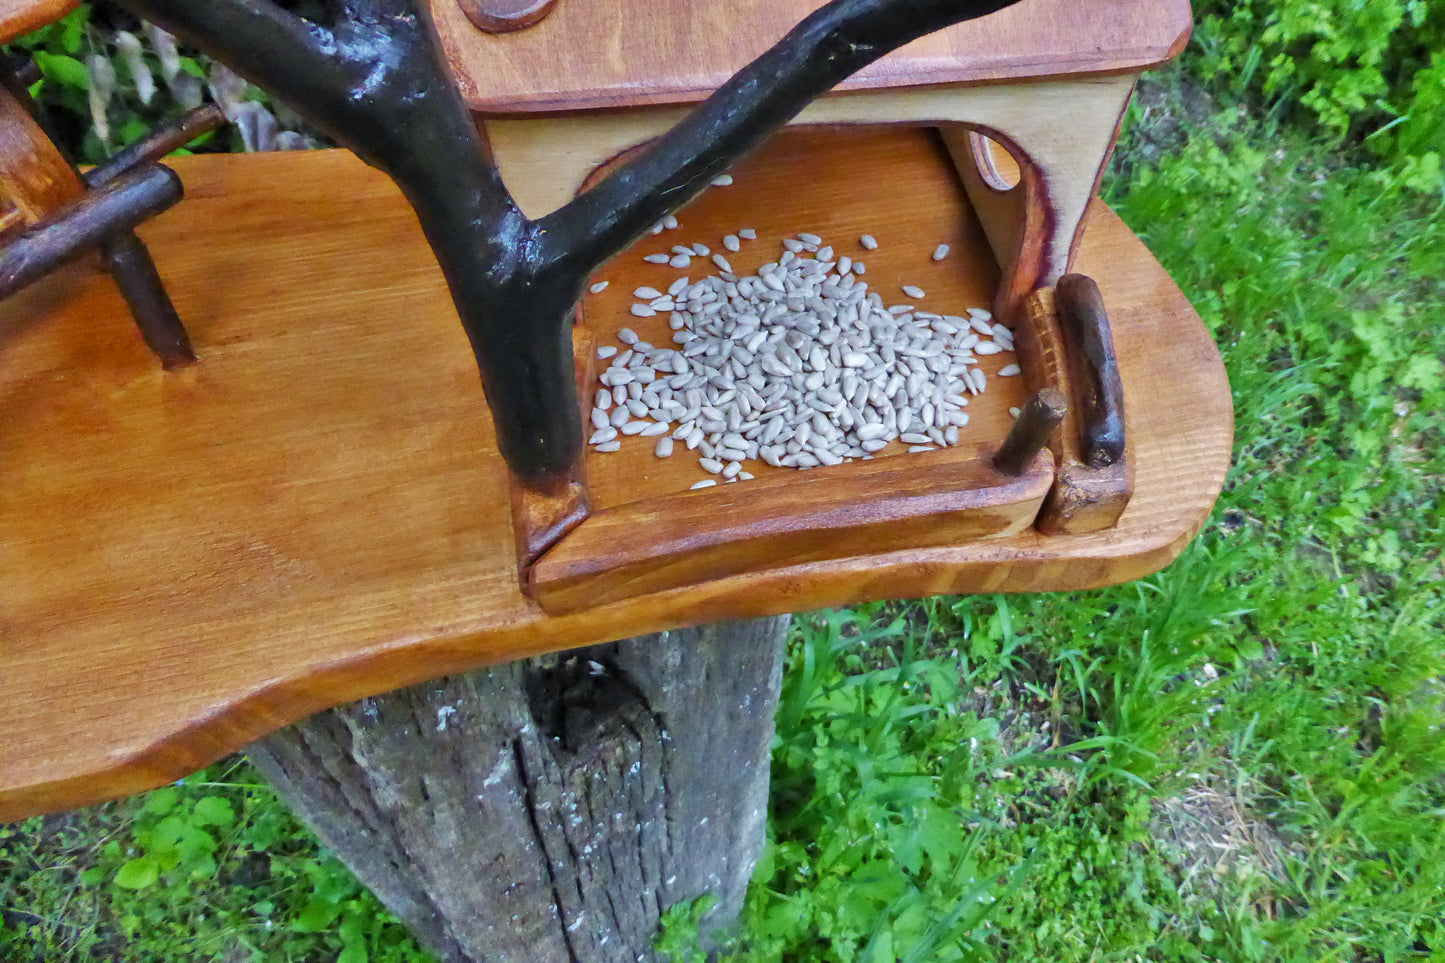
<point>996,165</point>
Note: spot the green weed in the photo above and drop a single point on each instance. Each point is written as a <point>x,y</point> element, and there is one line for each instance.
<point>213,868</point>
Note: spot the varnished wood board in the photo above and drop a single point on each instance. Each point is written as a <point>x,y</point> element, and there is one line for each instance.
<point>606,54</point>
<point>316,511</point>
<point>19,17</point>
<point>652,533</point>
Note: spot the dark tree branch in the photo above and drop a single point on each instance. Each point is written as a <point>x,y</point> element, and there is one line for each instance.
<point>90,220</point>
<point>838,40</point>
<point>375,81</point>
<point>254,37</point>
<point>157,144</point>
<point>1040,418</point>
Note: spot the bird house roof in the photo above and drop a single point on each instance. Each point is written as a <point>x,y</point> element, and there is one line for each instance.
<point>588,54</point>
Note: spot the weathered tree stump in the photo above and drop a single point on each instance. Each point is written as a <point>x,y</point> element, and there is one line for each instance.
<point>551,809</point>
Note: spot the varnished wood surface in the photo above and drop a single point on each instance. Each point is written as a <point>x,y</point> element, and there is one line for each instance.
<point>315,512</point>
<point>35,178</point>
<point>841,203</point>
<point>947,497</point>
<point>19,17</point>
<point>607,53</point>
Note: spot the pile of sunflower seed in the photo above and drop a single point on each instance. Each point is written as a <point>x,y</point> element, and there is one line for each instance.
<point>799,365</point>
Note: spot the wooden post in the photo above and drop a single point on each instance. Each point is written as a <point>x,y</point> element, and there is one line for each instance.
<point>551,810</point>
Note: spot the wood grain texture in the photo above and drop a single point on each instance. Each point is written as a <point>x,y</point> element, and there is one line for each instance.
<point>315,512</point>
<point>19,17</point>
<point>948,497</point>
<point>1064,128</point>
<point>599,53</point>
<point>651,533</point>
<point>35,178</point>
<point>1052,141</point>
<point>551,809</point>
<point>849,193</point>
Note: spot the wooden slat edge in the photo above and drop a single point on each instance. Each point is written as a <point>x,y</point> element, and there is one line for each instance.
<point>921,500</point>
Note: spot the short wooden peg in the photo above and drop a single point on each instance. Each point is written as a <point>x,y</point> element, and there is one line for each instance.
<point>140,284</point>
<point>1041,415</point>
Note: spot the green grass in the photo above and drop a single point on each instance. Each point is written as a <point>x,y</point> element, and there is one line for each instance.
<point>1239,758</point>
<point>215,868</point>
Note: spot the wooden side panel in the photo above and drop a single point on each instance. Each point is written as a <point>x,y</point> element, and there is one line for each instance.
<point>316,512</point>
<point>1065,128</point>
<point>948,497</point>
<point>1060,143</point>
<point>601,54</point>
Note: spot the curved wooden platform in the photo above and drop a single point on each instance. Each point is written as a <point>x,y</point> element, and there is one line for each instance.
<point>315,512</point>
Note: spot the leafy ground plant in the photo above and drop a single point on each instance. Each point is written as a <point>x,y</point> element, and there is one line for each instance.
<point>1239,758</point>
<point>213,868</point>
<point>1371,72</point>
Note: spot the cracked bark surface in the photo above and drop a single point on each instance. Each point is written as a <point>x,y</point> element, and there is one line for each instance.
<point>550,810</point>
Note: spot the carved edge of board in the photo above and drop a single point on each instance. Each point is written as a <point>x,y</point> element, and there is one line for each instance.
<point>230,722</point>
<point>501,93</point>
<point>35,178</point>
<point>1083,499</point>
<point>1035,223</point>
<point>1017,219</point>
<point>542,519</point>
<point>921,500</point>
<point>19,17</point>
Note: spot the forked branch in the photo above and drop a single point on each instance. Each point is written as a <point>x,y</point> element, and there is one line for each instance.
<point>374,79</point>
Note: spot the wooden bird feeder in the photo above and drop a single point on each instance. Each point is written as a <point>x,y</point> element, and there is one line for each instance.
<point>323,508</point>
<point>1048,79</point>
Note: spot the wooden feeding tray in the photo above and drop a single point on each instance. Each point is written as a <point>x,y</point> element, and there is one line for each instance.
<point>316,511</point>
<point>650,531</point>
<point>1027,103</point>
